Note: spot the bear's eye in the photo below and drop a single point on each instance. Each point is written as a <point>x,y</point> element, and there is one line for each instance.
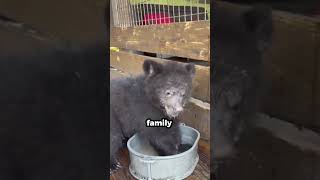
<point>168,93</point>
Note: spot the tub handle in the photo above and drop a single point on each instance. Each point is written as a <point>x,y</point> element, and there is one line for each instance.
<point>182,124</point>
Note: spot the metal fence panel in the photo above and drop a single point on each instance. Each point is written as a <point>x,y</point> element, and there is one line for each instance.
<point>131,13</point>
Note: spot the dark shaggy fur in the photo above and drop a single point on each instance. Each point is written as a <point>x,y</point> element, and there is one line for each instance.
<point>52,115</point>
<point>239,41</point>
<point>134,100</point>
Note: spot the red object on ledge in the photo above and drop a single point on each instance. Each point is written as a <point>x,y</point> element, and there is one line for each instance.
<point>157,18</point>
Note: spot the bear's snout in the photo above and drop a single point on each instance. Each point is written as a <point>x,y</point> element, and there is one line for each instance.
<point>173,112</point>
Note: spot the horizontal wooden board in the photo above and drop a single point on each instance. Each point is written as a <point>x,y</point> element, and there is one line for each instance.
<point>189,39</point>
<point>196,114</point>
<point>79,21</point>
<point>14,43</point>
<point>116,74</point>
<point>304,139</point>
<point>132,64</point>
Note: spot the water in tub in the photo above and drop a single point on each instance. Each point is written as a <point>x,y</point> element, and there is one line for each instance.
<point>147,149</point>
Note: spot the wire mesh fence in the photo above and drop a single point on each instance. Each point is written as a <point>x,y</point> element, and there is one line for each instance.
<point>130,13</point>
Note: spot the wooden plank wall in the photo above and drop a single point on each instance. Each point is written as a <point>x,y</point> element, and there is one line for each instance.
<point>186,40</point>
<point>290,69</point>
<point>189,40</point>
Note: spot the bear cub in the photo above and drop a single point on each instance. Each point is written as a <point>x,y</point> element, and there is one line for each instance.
<point>162,91</point>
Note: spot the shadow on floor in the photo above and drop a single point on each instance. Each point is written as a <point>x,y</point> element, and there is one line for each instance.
<point>263,157</point>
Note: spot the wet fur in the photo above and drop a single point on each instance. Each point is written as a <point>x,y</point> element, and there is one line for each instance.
<point>133,100</point>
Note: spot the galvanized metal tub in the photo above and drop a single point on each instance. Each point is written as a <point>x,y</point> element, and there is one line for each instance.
<point>175,167</point>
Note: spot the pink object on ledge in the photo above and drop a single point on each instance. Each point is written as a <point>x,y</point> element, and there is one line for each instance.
<point>157,18</point>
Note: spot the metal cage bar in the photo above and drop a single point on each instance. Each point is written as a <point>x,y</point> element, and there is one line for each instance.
<point>131,13</point>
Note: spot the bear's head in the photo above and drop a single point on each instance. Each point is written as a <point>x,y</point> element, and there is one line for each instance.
<point>168,85</point>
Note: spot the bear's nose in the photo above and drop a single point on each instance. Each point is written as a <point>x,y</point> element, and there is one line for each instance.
<point>179,108</point>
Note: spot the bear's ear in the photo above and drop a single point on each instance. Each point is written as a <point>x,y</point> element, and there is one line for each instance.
<point>151,67</point>
<point>258,20</point>
<point>191,69</point>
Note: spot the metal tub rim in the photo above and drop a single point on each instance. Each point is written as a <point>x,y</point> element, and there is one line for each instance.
<point>131,150</point>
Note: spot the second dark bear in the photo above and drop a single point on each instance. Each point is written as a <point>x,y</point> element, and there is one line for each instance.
<point>239,42</point>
